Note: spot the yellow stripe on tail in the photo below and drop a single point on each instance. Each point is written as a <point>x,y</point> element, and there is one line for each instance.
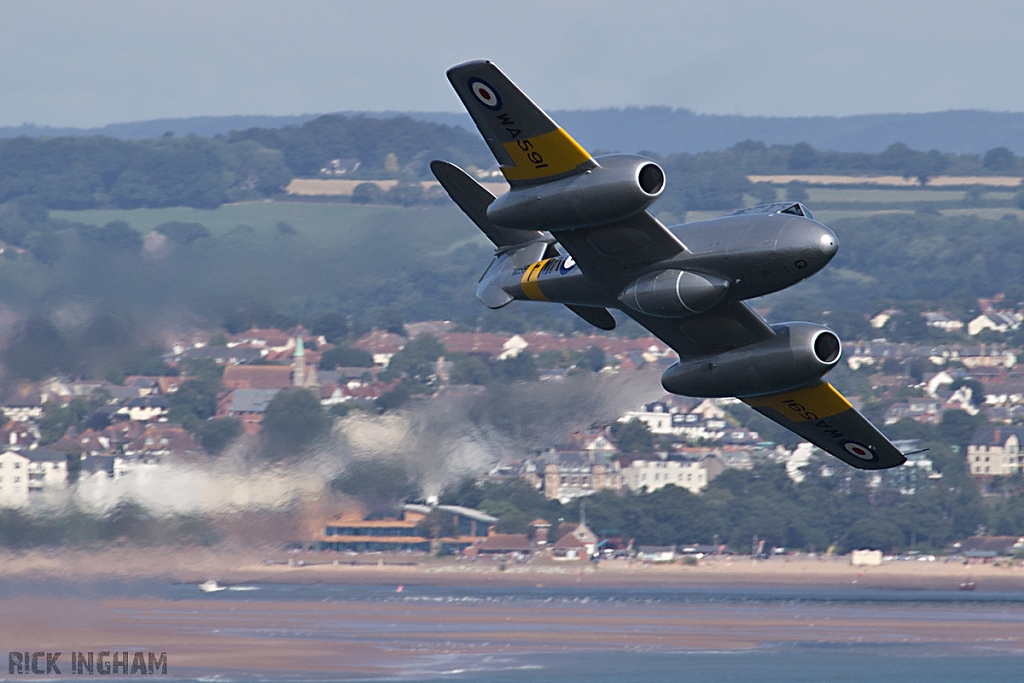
<point>543,156</point>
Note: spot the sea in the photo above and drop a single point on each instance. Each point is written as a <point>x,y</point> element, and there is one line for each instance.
<point>581,634</point>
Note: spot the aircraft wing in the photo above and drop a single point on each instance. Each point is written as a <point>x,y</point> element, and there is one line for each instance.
<point>532,149</point>
<point>725,327</point>
<point>824,417</point>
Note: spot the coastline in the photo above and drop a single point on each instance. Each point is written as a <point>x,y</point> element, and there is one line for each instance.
<point>235,566</point>
<point>454,616</point>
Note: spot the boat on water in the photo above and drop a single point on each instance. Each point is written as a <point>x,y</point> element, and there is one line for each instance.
<point>211,586</point>
<point>967,586</point>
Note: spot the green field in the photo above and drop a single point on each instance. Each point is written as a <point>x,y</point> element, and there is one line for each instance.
<point>328,220</point>
<point>882,195</point>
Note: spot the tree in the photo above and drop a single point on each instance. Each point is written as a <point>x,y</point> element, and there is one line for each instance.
<point>113,235</point>
<point>633,436</point>
<point>796,192</point>
<point>437,524</point>
<point>215,435</point>
<point>331,326</point>
<point>57,418</point>
<point>367,193</point>
<point>39,349</point>
<point>977,389</point>
<point>391,321</point>
<point>763,193</point>
<point>346,357</point>
<point>593,359</point>
<point>47,247</point>
<point>416,360</point>
<point>802,157</point>
<point>999,159</point>
<point>957,427</point>
<point>406,193</point>
<point>182,233</point>
<point>470,369</point>
<point>293,420</point>
<point>520,367</point>
<point>395,398</point>
<point>194,401</point>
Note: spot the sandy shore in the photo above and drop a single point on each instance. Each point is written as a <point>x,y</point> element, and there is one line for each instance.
<point>406,637</point>
<point>195,565</point>
<point>387,633</point>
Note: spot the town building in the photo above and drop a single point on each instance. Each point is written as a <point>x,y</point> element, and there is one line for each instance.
<point>354,530</point>
<point>572,475</point>
<point>13,479</point>
<point>248,405</point>
<point>995,451</point>
<point>47,470</point>
<point>652,475</point>
<point>145,409</point>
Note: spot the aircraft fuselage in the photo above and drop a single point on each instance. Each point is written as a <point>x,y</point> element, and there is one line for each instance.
<point>752,255</point>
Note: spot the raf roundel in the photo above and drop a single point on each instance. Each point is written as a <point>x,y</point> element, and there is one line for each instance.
<point>487,95</point>
<point>859,450</point>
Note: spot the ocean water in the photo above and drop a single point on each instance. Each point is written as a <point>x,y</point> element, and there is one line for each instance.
<point>584,635</point>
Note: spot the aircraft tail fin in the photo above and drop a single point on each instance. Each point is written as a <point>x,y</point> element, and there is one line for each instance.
<point>518,248</point>
<point>529,146</point>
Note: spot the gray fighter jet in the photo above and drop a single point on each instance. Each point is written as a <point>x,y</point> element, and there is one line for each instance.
<point>575,230</point>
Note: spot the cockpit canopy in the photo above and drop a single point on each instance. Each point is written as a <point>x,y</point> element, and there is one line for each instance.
<point>793,208</point>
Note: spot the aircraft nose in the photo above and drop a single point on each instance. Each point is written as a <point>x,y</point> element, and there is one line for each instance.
<point>806,243</point>
<point>827,241</point>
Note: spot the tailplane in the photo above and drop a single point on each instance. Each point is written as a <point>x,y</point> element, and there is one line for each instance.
<point>473,198</point>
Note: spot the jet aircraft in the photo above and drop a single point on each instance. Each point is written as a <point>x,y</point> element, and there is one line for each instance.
<point>574,229</point>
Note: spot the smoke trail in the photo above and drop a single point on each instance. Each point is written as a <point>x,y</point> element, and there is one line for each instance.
<point>437,441</point>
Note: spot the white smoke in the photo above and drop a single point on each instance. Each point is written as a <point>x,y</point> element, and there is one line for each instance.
<point>438,441</point>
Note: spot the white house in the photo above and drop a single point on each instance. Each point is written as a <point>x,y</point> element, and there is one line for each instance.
<point>145,409</point>
<point>942,321</point>
<point>995,451</point>
<point>655,415</point>
<point>13,479</point>
<point>656,474</point>
<point>997,321</point>
<point>47,470</point>
<point>513,347</point>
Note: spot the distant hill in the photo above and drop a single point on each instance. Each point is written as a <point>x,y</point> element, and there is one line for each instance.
<point>660,129</point>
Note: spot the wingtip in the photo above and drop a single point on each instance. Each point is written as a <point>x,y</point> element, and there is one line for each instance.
<point>472,62</point>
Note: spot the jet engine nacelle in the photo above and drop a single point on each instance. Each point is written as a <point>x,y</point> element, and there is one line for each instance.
<point>669,293</point>
<point>620,186</point>
<point>799,354</point>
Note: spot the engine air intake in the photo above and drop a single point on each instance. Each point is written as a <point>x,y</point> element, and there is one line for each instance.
<point>651,179</point>
<point>827,347</point>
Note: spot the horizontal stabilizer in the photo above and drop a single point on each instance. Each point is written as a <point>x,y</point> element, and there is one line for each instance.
<point>473,198</point>
<point>596,316</point>
<point>529,146</point>
<point>824,417</point>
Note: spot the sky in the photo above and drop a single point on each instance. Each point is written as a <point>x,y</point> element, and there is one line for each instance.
<point>87,64</point>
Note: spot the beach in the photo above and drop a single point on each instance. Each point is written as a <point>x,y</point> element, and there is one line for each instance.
<point>248,565</point>
<point>438,619</point>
